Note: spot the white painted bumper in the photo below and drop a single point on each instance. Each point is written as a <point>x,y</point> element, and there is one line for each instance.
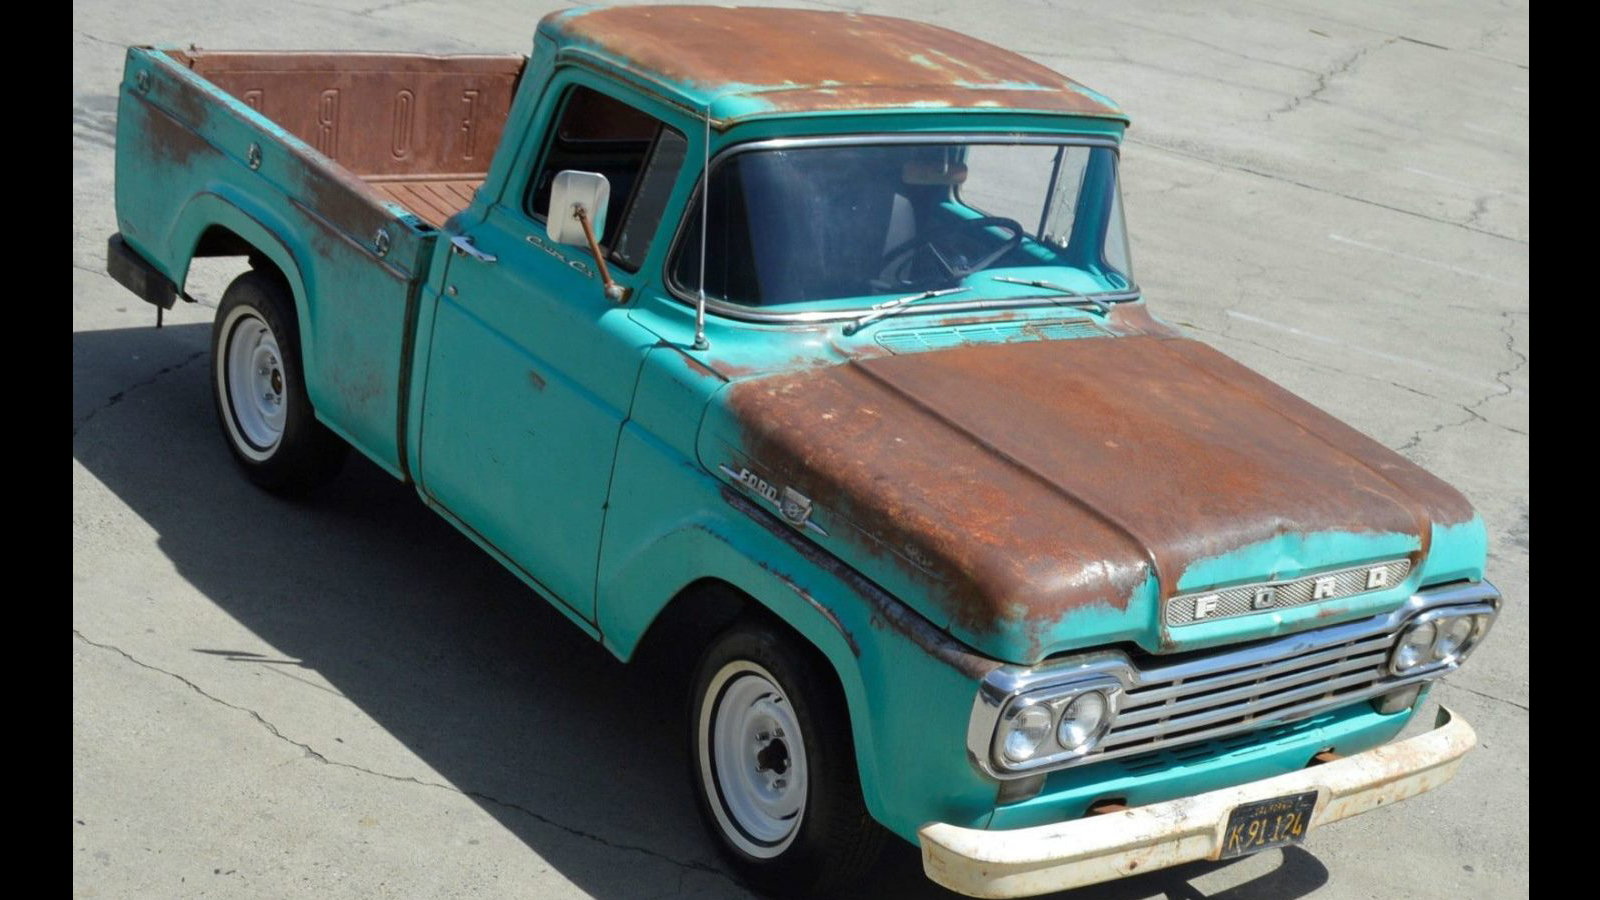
<point>1028,861</point>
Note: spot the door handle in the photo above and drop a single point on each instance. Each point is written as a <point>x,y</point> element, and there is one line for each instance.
<point>462,244</point>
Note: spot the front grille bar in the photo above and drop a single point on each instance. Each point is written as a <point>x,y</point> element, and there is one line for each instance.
<point>1368,665</point>
<point>1162,687</point>
<point>1252,710</point>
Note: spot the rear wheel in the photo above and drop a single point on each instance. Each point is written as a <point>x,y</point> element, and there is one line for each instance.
<point>260,391</point>
<point>774,765</point>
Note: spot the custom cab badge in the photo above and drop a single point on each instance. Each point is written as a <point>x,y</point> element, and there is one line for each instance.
<point>794,506</point>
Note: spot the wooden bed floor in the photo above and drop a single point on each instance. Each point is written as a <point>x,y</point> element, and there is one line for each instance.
<point>433,199</point>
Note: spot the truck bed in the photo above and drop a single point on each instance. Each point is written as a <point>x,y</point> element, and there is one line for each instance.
<point>434,199</point>
<point>420,129</point>
<point>337,169</point>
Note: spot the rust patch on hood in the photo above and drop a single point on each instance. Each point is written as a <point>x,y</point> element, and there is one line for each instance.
<point>812,60</point>
<point>1026,481</point>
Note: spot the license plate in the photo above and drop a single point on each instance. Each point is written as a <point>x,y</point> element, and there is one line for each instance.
<point>1267,823</point>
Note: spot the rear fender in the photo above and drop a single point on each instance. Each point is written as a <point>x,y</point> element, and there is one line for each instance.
<point>264,232</point>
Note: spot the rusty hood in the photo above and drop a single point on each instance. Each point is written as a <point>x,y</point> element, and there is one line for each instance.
<point>1042,496</point>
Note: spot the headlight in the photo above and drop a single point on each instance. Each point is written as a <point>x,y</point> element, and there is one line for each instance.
<point>1416,647</point>
<point>1049,725</point>
<point>1024,732</point>
<point>1082,720</point>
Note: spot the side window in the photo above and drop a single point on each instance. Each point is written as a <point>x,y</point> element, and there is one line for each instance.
<point>636,152</point>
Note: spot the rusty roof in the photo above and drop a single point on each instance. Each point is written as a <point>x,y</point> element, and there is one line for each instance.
<point>746,61</point>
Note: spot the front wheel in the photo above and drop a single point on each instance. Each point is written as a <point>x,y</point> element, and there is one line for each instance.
<point>259,388</point>
<point>774,765</point>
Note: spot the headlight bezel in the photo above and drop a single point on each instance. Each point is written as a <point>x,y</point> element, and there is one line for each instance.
<point>1054,697</point>
<point>1434,665</point>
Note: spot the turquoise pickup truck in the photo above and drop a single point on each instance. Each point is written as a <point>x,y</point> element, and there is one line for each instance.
<point>806,345</point>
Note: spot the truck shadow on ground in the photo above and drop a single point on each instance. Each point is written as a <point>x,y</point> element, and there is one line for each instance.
<point>580,757</point>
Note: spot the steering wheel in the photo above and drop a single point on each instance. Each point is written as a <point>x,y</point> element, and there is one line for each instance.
<point>897,261</point>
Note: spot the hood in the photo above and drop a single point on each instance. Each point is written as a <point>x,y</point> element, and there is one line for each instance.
<point>1037,497</point>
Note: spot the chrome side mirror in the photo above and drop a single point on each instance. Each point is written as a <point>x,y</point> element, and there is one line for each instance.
<point>577,216</point>
<point>575,196</point>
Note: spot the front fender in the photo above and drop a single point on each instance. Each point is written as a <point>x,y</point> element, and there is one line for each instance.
<point>908,687</point>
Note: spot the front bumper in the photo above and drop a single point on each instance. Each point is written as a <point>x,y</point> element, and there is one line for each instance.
<point>1028,861</point>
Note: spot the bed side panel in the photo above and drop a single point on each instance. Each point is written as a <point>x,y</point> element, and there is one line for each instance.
<point>190,157</point>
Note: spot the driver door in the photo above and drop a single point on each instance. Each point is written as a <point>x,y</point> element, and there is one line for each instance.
<point>531,368</point>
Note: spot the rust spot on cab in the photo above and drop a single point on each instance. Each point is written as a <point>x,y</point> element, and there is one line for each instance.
<point>795,60</point>
<point>989,318</point>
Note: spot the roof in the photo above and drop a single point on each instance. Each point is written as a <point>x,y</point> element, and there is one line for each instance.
<point>745,61</point>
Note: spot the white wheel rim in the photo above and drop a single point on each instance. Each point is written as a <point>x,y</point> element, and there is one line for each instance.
<point>752,759</point>
<point>253,382</point>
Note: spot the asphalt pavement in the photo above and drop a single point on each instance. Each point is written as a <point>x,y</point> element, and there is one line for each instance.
<point>345,698</point>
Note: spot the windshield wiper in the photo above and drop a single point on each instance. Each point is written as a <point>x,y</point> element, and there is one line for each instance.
<point>1083,299</point>
<point>889,307</point>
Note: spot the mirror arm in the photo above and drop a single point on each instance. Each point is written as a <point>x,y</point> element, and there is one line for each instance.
<point>614,291</point>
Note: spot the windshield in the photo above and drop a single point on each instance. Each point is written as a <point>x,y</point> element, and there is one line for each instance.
<point>799,225</point>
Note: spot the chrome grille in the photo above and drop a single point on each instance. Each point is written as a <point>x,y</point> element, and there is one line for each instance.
<point>1193,702</point>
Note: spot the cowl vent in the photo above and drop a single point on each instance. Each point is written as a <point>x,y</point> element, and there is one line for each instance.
<point>912,340</point>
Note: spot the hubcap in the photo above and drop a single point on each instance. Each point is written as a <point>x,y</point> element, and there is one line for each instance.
<point>752,756</point>
<point>254,383</point>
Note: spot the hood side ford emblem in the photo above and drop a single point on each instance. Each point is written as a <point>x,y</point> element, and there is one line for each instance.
<point>794,506</point>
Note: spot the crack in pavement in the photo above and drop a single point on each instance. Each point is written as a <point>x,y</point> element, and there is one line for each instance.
<point>1416,437</point>
<point>385,7</point>
<point>1486,696</point>
<point>98,40</point>
<point>121,395</point>
<point>313,754</point>
<point>1511,347</point>
<point>93,271</point>
<point>1366,27</point>
<point>1421,434</point>
<point>1472,409</point>
<point>1480,206</point>
<point>1324,78</point>
<point>1177,151</point>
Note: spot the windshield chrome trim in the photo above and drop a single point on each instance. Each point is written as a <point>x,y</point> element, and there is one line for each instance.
<point>741,313</point>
